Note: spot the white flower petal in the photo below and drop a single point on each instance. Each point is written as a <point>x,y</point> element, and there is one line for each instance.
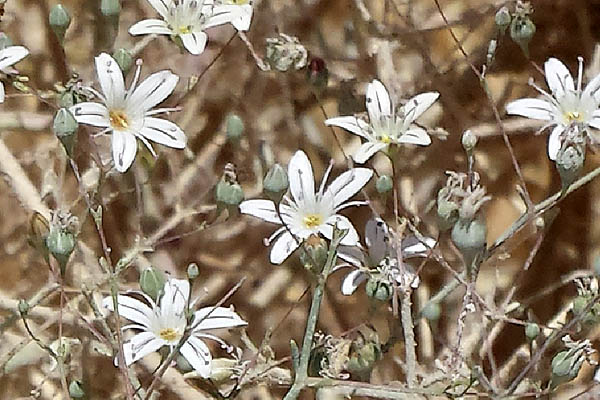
<point>175,297</point>
<point>377,237</point>
<point>242,23</point>
<point>150,26</point>
<point>554,142</point>
<point>301,177</point>
<point>282,248</point>
<point>12,55</point>
<point>1,92</point>
<point>415,135</point>
<point>351,254</point>
<point>351,124</point>
<point>348,184</point>
<point>130,308</point>
<point>164,132</point>
<point>413,247</point>
<point>162,7</point>
<point>367,150</point>
<point>558,77</point>
<point>353,281</point>
<point>531,108</point>
<point>351,238</point>
<point>263,209</point>
<point>379,103</point>
<point>222,14</point>
<point>198,355</point>
<point>216,318</point>
<point>124,148</point>
<point>153,90</point>
<point>595,120</point>
<point>194,42</point>
<point>111,79</point>
<point>140,346</point>
<point>89,113</point>
<point>418,105</point>
<point>592,89</point>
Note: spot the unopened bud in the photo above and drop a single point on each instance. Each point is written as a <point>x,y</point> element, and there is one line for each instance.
<point>65,128</point>
<point>314,253</point>
<point>61,243</point>
<point>432,311</point>
<point>469,141</point>
<point>76,390</point>
<point>384,184</point>
<point>447,210</point>
<point>502,19</point>
<point>183,365</point>
<point>566,366</point>
<point>532,330</point>
<point>228,193</point>
<point>317,74</point>
<point>152,282</point>
<point>276,183</point>
<point>364,355</point>
<point>193,271</point>
<point>569,163</point>
<point>110,8</point>
<point>234,128</point>
<point>470,238</point>
<point>522,30</point>
<point>124,60</point>
<point>59,21</point>
<point>378,289</point>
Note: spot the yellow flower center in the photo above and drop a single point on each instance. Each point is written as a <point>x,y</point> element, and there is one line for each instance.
<point>312,221</point>
<point>168,334</point>
<point>185,29</point>
<point>574,116</point>
<point>118,119</point>
<point>386,139</point>
<point>238,2</point>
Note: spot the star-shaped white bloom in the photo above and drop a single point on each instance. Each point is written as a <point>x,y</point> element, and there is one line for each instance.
<point>187,19</point>
<point>164,324</point>
<point>387,126</point>
<point>306,212</point>
<point>128,114</point>
<point>565,106</point>
<point>8,57</point>
<point>244,9</point>
<point>381,257</point>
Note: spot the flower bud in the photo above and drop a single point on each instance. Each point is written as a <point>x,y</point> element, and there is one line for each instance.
<point>152,282</point>
<point>470,238</point>
<point>124,60</point>
<point>314,253</point>
<point>522,30</point>
<point>110,8</point>
<point>378,289</point>
<point>65,128</point>
<point>23,307</point>
<point>193,271</point>
<point>502,19</point>
<point>447,210</point>
<point>183,365</point>
<point>363,358</point>
<point>317,74</point>
<point>566,366</point>
<point>61,241</point>
<point>532,330</point>
<point>469,141</point>
<point>59,21</point>
<point>5,41</point>
<point>569,163</point>
<point>76,390</point>
<point>285,52</point>
<point>234,128</point>
<point>275,183</point>
<point>432,311</point>
<point>384,184</point>
<point>229,193</point>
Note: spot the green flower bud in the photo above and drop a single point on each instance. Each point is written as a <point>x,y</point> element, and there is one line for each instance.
<point>61,243</point>
<point>532,330</point>
<point>378,289</point>
<point>23,307</point>
<point>5,41</point>
<point>183,364</point>
<point>66,99</point>
<point>522,30</point>
<point>502,19</point>
<point>384,184</point>
<point>566,366</point>
<point>363,359</point>
<point>60,19</point>
<point>447,210</point>
<point>65,128</point>
<point>152,282</point>
<point>314,254</point>
<point>193,271</point>
<point>579,304</point>
<point>432,311</point>
<point>229,193</point>
<point>469,141</point>
<point>110,8</point>
<point>234,128</point>
<point>124,60</point>
<point>470,238</point>
<point>276,183</point>
<point>76,390</point>
<point>569,163</point>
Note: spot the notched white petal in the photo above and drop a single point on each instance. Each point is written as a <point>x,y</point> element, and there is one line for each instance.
<point>124,149</point>
<point>164,132</point>
<point>194,42</point>
<point>352,281</point>
<point>150,26</point>
<point>379,103</point>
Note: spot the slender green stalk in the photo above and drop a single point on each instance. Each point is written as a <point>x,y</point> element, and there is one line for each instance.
<point>409,337</point>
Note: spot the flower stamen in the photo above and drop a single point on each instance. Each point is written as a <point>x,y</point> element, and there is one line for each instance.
<point>168,334</point>
<point>312,221</point>
<point>118,119</point>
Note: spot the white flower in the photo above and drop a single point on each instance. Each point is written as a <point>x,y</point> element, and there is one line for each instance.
<point>128,114</point>
<point>387,126</point>
<point>381,257</point>
<point>565,106</point>
<point>187,19</point>
<point>164,324</point>
<point>306,212</point>
<point>8,57</point>
<point>244,9</point>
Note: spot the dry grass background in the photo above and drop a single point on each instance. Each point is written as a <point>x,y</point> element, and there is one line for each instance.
<point>168,202</point>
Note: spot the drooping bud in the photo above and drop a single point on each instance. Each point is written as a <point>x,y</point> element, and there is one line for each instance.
<point>152,282</point>
<point>124,60</point>
<point>317,74</point>
<point>193,271</point>
<point>234,128</point>
<point>384,184</point>
<point>502,19</point>
<point>285,52</point>
<point>378,289</point>
<point>532,330</point>
<point>314,253</point>
<point>469,141</point>
<point>60,19</point>
<point>522,30</point>
<point>275,183</point>
<point>65,128</point>
<point>76,390</point>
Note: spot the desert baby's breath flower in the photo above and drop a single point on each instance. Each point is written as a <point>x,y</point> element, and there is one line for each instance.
<point>8,57</point>
<point>566,106</point>
<point>164,324</point>
<point>128,114</point>
<point>187,20</point>
<point>387,125</point>
<point>308,212</point>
